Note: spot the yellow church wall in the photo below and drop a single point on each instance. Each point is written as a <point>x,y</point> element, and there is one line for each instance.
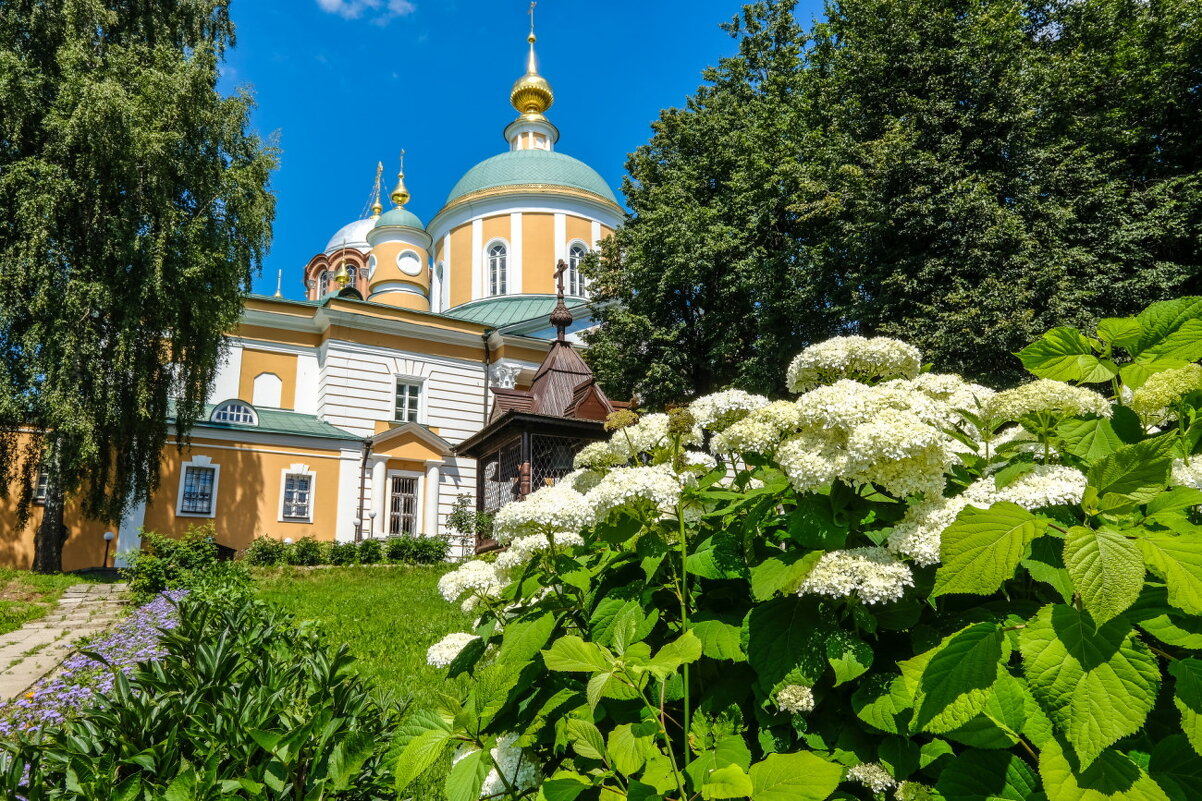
<point>257,362</point>
<point>412,344</point>
<point>279,336</point>
<point>538,253</point>
<point>461,265</point>
<point>249,488</point>
<point>494,228</point>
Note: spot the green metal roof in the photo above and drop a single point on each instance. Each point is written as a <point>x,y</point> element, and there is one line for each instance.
<point>496,312</point>
<point>400,217</point>
<point>278,421</point>
<point>519,167</point>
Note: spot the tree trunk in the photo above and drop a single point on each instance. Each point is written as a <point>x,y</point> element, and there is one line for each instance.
<point>52,533</point>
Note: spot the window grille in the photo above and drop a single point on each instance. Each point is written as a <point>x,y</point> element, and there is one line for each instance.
<point>575,281</point>
<point>402,515</point>
<point>323,284</point>
<point>551,458</point>
<point>502,477</point>
<point>408,401</point>
<point>497,270</point>
<point>198,490</point>
<point>237,413</point>
<point>40,489</point>
<point>298,491</point>
<point>353,278</point>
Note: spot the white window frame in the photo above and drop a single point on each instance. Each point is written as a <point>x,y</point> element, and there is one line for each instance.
<point>583,293</point>
<point>205,462</point>
<point>323,284</point>
<point>488,282</point>
<point>41,487</point>
<point>420,383</point>
<point>297,470</point>
<point>419,515</point>
<point>225,404</point>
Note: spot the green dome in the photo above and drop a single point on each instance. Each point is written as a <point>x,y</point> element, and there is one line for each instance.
<point>400,217</point>
<point>520,167</point>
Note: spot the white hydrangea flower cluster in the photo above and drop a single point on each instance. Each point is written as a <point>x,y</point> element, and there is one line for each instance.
<point>721,409</point>
<point>512,762</point>
<point>1154,402</point>
<point>558,507</point>
<point>521,549</point>
<point>890,435</point>
<point>853,357</point>
<point>871,573</point>
<point>796,699</point>
<point>920,532</point>
<point>1046,395</point>
<point>443,653</point>
<point>951,389</point>
<point>657,484</point>
<point>649,433</point>
<point>1187,473</point>
<point>760,431</point>
<point>873,776</point>
<point>476,577</point>
<point>598,454</point>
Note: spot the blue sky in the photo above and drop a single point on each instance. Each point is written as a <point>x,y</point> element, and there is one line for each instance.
<point>347,83</point>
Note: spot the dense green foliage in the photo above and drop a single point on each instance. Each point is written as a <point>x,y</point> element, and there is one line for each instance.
<point>387,618</point>
<point>757,631</point>
<point>169,563</point>
<point>243,705</point>
<point>963,175</point>
<point>307,551</point>
<point>133,208</point>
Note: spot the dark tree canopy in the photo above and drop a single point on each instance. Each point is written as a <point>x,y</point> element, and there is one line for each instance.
<point>963,175</point>
<point>133,208</point>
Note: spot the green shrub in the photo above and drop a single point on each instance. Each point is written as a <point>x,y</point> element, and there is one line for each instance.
<point>243,705</point>
<point>899,586</point>
<point>430,550</point>
<point>166,562</point>
<point>371,552</point>
<point>306,551</point>
<point>400,550</point>
<point>343,553</point>
<point>266,552</point>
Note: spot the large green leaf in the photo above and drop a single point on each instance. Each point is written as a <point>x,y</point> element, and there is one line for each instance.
<point>684,649</point>
<point>1111,777</point>
<point>1187,696</point>
<point>630,745</point>
<point>420,753</point>
<point>572,654</point>
<point>1177,768</point>
<point>1177,560</point>
<point>987,776</point>
<point>467,777</point>
<point>848,655</point>
<point>951,682</point>
<point>586,738</point>
<point>883,701</point>
<point>983,548</point>
<point>1089,439</point>
<point>525,637</point>
<point>1096,683</point>
<point>1184,344</point>
<point>1002,719</point>
<point>720,635</point>
<point>1161,319</point>
<point>1136,472</point>
<point>729,749</point>
<point>1106,568</point>
<point>1064,354</point>
<point>785,637</point>
<point>802,776</point>
<point>1121,331</point>
<point>727,782</point>
<point>782,574</point>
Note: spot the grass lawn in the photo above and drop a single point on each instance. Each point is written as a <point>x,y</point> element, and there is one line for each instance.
<point>26,596</point>
<point>387,616</point>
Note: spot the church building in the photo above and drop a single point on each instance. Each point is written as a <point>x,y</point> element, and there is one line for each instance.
<point>339,416</point>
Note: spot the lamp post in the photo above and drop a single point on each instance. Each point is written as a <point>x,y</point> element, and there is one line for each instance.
<point>371,524</point>
<point>358,528</point>
<point>108,538</point>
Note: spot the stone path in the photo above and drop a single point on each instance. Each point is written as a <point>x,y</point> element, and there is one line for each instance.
<point>35,649</point>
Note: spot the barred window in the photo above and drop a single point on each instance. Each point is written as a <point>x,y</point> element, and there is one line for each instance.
<point>298,494</point>
<point>236,413</point>
<point>402,508</point>
<point>198,490</point>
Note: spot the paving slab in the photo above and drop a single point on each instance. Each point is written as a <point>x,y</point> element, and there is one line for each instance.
<point>37,648</point>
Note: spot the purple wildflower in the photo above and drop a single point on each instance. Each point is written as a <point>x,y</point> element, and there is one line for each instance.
<point>133,641</point>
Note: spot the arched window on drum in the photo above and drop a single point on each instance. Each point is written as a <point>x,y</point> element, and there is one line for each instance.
<point>573,280</point>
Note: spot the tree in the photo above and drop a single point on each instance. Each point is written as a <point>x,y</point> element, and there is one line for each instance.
<point>962,175</point>
<point>133,208</point>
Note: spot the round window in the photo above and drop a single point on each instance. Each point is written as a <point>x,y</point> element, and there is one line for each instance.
<point>371,267</point>
<point>410,263</point>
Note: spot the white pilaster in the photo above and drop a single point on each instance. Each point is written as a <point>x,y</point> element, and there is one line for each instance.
<point>430,516</point>
<point>308,373</point>
<point>229,372</point>
<point>477,258</point>
<point>129,535</point>
<point>379,495</point>
<point>348,495</point>
<point>515,262</point>
<point>561,239</point>
<point>595,235</point>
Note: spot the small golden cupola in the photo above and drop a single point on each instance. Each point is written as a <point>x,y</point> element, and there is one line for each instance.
<point>399,267</point>
<point>531,96</point>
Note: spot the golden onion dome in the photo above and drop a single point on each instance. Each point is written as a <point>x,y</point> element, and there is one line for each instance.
<point>531,94</point>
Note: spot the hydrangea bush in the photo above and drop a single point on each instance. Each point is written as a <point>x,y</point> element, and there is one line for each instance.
<point>897,585</point>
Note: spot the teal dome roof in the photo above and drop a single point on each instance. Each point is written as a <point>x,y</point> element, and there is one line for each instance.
<point>400,217</point>
<point>520,167</point>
